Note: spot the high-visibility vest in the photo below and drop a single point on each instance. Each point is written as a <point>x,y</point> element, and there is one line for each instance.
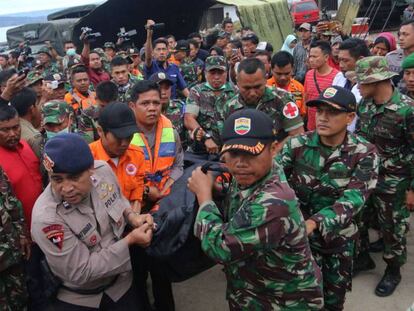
<point>158,167</point>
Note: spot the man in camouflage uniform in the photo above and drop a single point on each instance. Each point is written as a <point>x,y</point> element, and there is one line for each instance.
<point>173,109</point>
<point>386,118</point>
<point>121,77</point>
<point>191,72</point>
<point>46,63</point>
<point>204,112</point>
<point>253,93</point>
<point>59,117</point>
<point>262,240</point>
<point>13,292</point>
<point>333,173</point>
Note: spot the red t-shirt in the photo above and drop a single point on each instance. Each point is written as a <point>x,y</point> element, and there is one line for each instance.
<point>94,75</point>
<point>23,169</point>
<point>311,91</point>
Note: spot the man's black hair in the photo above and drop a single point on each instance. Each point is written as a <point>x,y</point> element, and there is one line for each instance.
<point>118,61</point>
<point>323,45</point>
<point>236,43</point>
<point>194,35</point>
<point>14,54</point>
<point>5,75</point>
<point>78,69</point>
<point>107,91</point>
<point>24,100</point>
<point>194,42</point>
<point>251,65</point>
<point>5,56</point>
<point>246,28</point>
<point>357,48</point>
<point>407,22</point>
<point>218,50</point>
<point>7,112</point>
<point>68,41</point>
<point>143,87</point>
<point>282,59</point>
<point>226,21</point>
<point>264,53</point>
<point>252,38</point>
<point>170,36</point>
<point>158,41</point>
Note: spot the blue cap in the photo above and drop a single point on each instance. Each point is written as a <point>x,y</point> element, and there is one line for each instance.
<point>67,153</point>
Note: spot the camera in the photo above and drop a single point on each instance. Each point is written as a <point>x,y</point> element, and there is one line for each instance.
<point>158,26</point>
<point>126,35</point>
<point>88,34</point>
<point>24,71</point>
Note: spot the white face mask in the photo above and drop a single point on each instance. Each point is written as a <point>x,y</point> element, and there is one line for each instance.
<point>71,52</point>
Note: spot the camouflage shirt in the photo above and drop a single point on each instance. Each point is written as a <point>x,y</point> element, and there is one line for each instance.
<point>191,72</point>
<point>12,225</point>
<point>175,112</point>
<point>280,106</point>
<point>332,184</point>
<point>124,95</point>
<point>51,69</point>
<point>209,107</point>
<point>263,246</point>
<point>390,127</point>
<point>86,123</point>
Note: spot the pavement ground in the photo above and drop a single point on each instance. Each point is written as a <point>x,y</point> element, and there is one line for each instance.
<point>206,291</point>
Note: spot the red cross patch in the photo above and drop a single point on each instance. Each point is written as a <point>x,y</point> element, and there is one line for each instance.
<point>290,110</point>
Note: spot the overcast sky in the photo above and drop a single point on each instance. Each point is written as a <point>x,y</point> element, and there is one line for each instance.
<point>18,6</point>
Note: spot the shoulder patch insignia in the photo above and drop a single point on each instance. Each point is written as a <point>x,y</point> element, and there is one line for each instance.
<point>291,110</point>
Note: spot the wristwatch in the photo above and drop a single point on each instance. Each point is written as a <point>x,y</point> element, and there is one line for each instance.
<point>206,136</point>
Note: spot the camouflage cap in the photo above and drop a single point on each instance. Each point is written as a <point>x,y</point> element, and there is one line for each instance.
<point>55,111</point>
<point>33,77</point>
<point>109,45</point>
<point>216,62</point>
<point>44,50</point>
<point>372,69</point>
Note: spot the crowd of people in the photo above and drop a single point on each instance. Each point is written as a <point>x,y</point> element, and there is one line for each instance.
<point>316,138</point>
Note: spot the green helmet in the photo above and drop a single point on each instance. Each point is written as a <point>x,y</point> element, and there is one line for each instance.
<point>373,69</point>
<point>55,111</point>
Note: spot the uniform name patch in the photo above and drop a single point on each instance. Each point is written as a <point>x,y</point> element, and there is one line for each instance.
<point>242,126</point>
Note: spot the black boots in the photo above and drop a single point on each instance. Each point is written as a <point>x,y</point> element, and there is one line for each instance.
<point>363,262</point>
<point>389,282</point>
<point>377,246</point>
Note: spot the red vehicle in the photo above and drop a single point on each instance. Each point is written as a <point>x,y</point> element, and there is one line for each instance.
<point>305,11</point>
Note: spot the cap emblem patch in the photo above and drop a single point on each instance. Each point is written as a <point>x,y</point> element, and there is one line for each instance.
<point>330,92</point>
<point>242,126</point>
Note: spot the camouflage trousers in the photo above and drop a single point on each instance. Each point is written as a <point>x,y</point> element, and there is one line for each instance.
<point>337,274</point>
<point>13,293</point>
<point>247,301</point>
<point>393,219</point>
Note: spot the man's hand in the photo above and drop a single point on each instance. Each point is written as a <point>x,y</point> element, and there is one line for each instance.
<point>25,247</point>
<point>409,200</point>
<point>140,236</point>
<point>154,194</point>
<point>150,23</point>
<point>211,146</point>
<point>201,185</point>
<point>310,226</point>
<point>137,221</point>
<point>14,85</point>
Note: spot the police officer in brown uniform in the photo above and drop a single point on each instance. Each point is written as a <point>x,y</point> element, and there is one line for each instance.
<point>79,221</point>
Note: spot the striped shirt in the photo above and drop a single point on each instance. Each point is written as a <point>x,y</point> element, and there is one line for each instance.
<point>311,91</point>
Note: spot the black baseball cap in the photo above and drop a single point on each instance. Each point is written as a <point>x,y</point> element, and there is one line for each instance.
<point>159,77</point>
<point>336,97</point>
<point>118,119</point>
<point>251,37</point>
<point>247,130</point>
<point>182,45</point>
